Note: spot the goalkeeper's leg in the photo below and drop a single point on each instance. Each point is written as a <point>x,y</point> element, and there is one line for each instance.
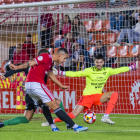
<point>112,97</point>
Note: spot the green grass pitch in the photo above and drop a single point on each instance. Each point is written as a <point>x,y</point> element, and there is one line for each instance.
<point>127,127</point>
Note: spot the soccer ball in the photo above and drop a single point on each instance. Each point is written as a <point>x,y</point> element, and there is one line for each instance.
<point>89,117</point>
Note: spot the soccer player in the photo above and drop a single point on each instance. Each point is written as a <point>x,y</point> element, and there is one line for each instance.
<point>96,78</point>
<point>36,88</point>
<point>30,104</point>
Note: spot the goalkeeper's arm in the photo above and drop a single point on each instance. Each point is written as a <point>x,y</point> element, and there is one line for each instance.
<point>84,73</point>
<point>124,69</point>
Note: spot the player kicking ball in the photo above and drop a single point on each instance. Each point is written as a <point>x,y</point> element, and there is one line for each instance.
<point>35,86</point>
<point>96,78</point>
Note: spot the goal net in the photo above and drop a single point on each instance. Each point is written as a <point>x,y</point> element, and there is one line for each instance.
<point>85,30</point>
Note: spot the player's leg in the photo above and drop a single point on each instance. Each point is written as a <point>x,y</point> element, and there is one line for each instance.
<point>85,102</point>
<point>47,114</point>
<point>78,109</point>
<point>63,116</point>
<point>112,97</point>
<point>61,106</point>
<point>24,119</point>
<point>29,112</point>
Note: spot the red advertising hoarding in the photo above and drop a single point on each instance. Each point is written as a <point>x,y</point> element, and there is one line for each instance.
<point>126,84</point>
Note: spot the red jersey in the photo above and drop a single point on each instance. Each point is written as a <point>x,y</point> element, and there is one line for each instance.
<point>38,71</point>
<point>21,57</point>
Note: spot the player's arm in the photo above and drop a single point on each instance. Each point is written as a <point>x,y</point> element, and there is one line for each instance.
<point>124,69</point>
<point>11,72</point>
<point>84,73</point>
<point>24,65</point>
<point>55,80</point>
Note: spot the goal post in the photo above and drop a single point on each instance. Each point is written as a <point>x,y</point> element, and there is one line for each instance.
<point>85,28</point>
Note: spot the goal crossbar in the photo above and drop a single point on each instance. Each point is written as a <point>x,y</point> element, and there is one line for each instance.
<point>49,3</point>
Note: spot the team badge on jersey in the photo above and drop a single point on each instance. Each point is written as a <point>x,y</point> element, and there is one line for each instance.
<point>40,58</point>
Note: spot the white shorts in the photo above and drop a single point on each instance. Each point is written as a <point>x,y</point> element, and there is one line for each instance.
<point>38,92</point>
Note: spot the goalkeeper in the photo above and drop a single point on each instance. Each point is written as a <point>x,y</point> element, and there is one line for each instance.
<point>96,78</point>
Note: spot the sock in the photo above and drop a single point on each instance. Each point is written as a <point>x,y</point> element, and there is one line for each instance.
<point>17,120</point>
<point>61,106</point>
<point>63,116</point>
<point>53,126</point>
<point>111,102</point>
<point>47,114</point>
<point>69,114</point>
<point>75,126</point>
<point>106,115</point>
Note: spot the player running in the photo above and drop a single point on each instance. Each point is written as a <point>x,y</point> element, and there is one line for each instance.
<point>36,88</point>
<point>96,78</point>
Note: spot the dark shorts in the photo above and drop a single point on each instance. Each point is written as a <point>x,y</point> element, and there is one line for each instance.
<point>30,104</point>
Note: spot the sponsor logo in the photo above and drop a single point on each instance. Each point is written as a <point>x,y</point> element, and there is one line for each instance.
<point>134,96</point>
<point>40,58</point>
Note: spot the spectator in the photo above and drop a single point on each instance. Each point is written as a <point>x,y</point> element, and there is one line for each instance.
<point>29,47</point>
<point>76,48</point>
<point>64,29</point>
<point>133,34</point>
<point>47,23</point>
<point>137,58</point>
<point>79,32</point>
<point>116,20</point>
<point>136,14</point>
<point>80,64</point>
<point>65,26</point>
<point>20,56</point>
<point>127,15</point>
<point>68,43</point>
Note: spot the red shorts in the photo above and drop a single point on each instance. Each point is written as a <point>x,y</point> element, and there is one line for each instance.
<point>89,100</point>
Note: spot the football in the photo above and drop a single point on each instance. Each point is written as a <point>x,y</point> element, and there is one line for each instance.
<point>89,117</point>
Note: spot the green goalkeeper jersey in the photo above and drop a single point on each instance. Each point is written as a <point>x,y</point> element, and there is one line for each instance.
<point>96,79</point>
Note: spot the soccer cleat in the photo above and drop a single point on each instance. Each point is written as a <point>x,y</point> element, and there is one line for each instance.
<point>107,120</point>
<point>80,128</point>
<point>45,124</point>
<point>69,127</point>
<point>55,129</point>
<point>115,44</point>
<point>1,124</point>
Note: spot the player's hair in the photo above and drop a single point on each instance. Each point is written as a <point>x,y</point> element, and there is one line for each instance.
<point>99,56</point>
<point>42,51</point>
<point>62,50</point>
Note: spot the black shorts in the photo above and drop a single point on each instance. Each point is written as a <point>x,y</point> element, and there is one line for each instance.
<point>30,104</point>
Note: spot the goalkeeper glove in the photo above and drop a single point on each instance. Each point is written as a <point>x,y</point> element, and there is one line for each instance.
<point>134,67</point>
<point>58,72</point>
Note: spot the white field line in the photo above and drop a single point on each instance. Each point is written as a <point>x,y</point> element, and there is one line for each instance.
<point>27,130</point>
